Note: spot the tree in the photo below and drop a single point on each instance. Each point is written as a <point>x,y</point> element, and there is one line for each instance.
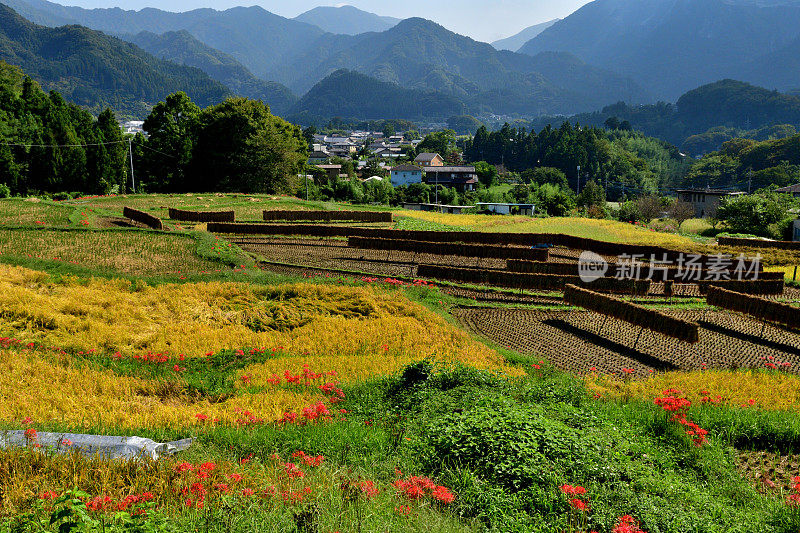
<point>172,133</point>
<point>681,211</point>
<point>592,195</point>
<point>764,213</point>
<point>440,142</point>
<point>649,207</point>
<point>542,175</point>
<point>555,201</point>
<point>487,174</point>
<point>241,146</point>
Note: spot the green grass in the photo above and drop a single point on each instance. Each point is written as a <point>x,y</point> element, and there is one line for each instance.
<point>246,207</point>
<point>503,446</point>
<point>34,212</point>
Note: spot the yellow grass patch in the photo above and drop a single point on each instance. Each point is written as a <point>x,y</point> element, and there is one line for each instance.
<point>604,230</point>
<point>61,391</point>
<point>358,332</point>
<point>768,390</point>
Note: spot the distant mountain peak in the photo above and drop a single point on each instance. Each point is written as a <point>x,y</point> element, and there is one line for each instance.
<point>515,42</point>
<point>346,20</point>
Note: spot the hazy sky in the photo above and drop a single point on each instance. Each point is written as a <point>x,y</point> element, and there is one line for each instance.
<point>485,20</point>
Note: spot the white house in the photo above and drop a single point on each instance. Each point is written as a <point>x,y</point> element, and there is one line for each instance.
<point>796,230</point>
<point>507,209</point>
<point>406,175</point>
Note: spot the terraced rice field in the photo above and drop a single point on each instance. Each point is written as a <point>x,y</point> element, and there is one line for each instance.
<point>582,342</point>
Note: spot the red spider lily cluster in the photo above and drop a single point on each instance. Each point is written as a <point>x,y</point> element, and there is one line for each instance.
<point>306,378</point>
<point>399,283</point>
<point>308,460</point>
<point>358,488</point>
<point>314,413</point>
<point>417,488</point>
<point>774,364</point>
<point>794,499</point>
<point>579,507</point>
<point>575,502</point>
<point>627,524</point>
<point>674,402</point>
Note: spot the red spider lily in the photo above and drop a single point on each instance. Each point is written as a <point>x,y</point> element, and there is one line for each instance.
<point>49,495</point>
<point>208,467</point>
<point>415,488</point>
<point>572,490</point>
<point>247,492</point>
<point>184,467</point>
<point>580,505</point>
<point>293,471</point>
<point>235,477</point>
<point>627,524</point>
<point>403,510</point>
<point>673,402</point>
<point>98,503</point>
<point>443,495</point>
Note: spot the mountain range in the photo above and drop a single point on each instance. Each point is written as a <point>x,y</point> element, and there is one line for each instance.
<point>636,51</point>
<point>96,70</point>
<point>182,48</point>
<point>671,46</point>
<point>351,95</point>
<point>420,54</point>
<point>346,20</point>
<point>515,42</point>
<point>415,54</point>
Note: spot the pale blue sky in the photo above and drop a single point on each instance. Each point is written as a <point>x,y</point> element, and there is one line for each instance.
<point>485,20</point>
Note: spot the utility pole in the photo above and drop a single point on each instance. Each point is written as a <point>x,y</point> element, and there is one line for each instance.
<point>579,179</point>
<point>130,151</point>
<point>749,181</point>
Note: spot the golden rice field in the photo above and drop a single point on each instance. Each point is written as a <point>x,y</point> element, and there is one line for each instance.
<point>767,390</point>
<point>129,252</point>
<point>605,230</point>
<point>356,333</point>
<point>33,212</point>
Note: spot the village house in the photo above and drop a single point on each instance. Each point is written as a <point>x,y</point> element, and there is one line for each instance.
<point>459,178</point>
<point>333,171</point>
<point>438,208</point>
<point>429,160</point>
<point>405,175</point>
<point>318,157</point>
<point>794,190</point>
<point>705,201</point>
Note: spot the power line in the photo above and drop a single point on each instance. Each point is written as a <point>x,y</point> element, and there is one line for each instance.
<point>19,145</point>
<point>156,151</point>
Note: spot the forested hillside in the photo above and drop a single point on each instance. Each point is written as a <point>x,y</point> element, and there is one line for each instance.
<point>622,161</point>
<point>182,48</point>
<point>716,112</point>
<point>29,117</point>
<point>743,164</point>
<point>354,96</point>
<point>92,69</point>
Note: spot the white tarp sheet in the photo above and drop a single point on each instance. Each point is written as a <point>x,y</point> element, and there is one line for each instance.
<point>96,445</point>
